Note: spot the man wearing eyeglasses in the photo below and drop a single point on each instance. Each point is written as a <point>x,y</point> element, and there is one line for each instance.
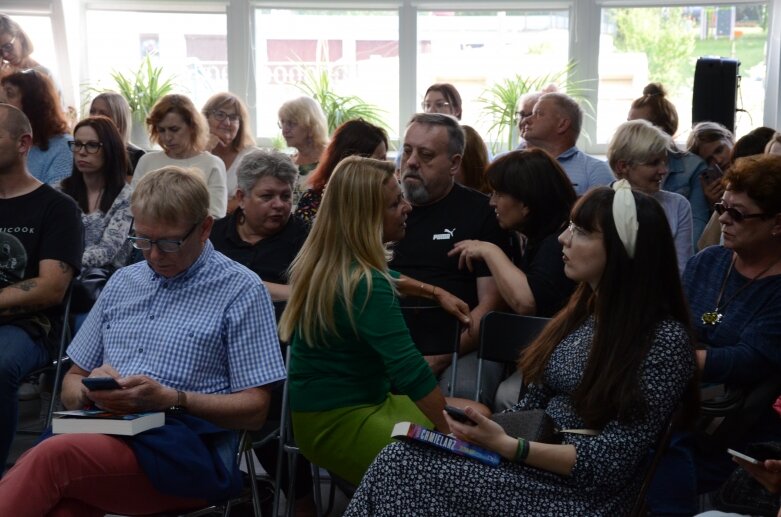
<point>41,243</point>
<point>189,332</point>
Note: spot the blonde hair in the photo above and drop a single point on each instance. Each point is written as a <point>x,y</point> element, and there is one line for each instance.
<point>637,142</point>
<point>243,138</point>
<point>171,195</point>
<point>343,248</point>
<point>119,112</point>
<point>306,112</point>
<point>184,107</point>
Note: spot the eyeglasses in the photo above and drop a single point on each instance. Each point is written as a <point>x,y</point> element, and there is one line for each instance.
<point>519,115</point>
<point>736,214</point>
<point>91,147</point>
<point>290,124</point>
<point>164,245</point>
<point>8,47</point>
<point>220,115</point>
<point>439,105</point>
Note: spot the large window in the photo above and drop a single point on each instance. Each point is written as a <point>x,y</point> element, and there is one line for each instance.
<point>480,50</point>
<point>39,29</point>
<point>349,53</point>
<point>642,45</point>
<point>190,48</point>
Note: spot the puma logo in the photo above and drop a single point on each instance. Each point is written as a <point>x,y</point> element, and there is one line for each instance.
<point>449,234</point>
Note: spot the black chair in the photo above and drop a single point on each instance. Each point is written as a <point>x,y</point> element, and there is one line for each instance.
<point>502,337</point>
<point>435,332</point>
<point>639,508</point>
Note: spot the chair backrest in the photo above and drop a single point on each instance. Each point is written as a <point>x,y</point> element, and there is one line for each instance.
<point>639,507</point>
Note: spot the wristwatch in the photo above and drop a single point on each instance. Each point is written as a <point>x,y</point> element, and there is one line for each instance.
<point>181,403</point>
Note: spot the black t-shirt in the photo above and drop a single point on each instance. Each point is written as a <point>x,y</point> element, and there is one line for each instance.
<point>542,262</point>
<point>43,224</point>
<point>433,229</point>
<point>269,258</point>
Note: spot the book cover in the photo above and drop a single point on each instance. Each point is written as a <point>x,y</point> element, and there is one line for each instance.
<point>442,441</point>
<point>97,421</point>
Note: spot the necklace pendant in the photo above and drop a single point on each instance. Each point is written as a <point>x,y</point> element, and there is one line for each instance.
<point>711,318</point>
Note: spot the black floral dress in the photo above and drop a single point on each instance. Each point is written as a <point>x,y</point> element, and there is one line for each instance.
<point>411,479</point>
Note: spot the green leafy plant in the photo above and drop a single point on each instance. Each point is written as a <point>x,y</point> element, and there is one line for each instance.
<point>337,108</point>
<point>143,88</point>
<point>500,102</point>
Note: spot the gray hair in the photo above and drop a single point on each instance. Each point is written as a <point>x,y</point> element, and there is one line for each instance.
<point>456,139</point>
<point>637,142</point>
<point>260,163</point>
<point>569,109</point>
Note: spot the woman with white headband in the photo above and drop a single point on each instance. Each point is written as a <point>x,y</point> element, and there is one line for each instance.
<point>616,361</point>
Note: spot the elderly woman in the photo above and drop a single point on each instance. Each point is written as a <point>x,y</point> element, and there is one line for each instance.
<point>683,168</point>
<point>181,131</point>
<point>734,291</point>
<point>638,153</point>
<point>354,137</point>
<point>304,128</point>
<point>260,233</point>
<point>115,107</point>
<point>230,135</point>
<point>50,159</point>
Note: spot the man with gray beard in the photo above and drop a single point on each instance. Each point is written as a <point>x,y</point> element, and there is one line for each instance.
<point>443,213</point>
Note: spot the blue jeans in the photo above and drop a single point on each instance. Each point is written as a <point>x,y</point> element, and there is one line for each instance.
<point>19,355</point>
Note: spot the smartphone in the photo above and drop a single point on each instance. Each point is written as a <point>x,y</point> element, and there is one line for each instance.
<point>100,383</point>
<point>744,457</point>
<point>458,415</point>
<point>712,173</point>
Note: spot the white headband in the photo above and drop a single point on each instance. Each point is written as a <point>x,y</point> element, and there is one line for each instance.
<point>625,215</point>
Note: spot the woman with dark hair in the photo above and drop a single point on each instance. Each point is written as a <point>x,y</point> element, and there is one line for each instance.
<point>115,107</point>
<point>182,132</point>
<point>442,98</point>
<point>532,197</point>
<point>98,186</point>
<point>50,159</point>
<point>683,168</point>
<point>353,138</point>
<point>616,360</point>
<point>474,161</point>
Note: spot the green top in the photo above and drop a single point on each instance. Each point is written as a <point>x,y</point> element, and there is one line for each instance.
<point>354,370</point>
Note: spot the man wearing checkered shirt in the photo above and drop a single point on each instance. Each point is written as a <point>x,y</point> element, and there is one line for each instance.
<point>187,329</point>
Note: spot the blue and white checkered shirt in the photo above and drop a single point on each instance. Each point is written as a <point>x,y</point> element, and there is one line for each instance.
<point>210,329</point>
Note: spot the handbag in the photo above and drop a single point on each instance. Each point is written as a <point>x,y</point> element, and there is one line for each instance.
<point>534,425</point>
<point>88,286</point>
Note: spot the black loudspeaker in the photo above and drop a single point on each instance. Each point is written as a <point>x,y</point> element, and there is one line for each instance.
<point>715,94</point>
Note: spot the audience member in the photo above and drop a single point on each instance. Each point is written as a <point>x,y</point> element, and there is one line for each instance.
<point>304,128</point>
<point>713,143</point>
<point>442,98</point>
<point>204,341</point>
<point>734,291</point>
<point>348,337</point>
<point>753,142</point>
<point>354,137</point>
<point>182,132</point>
<point>444,213</point>
<point>260,233</point>
<point>554,127</point>
<point>532,197</point>
<point>50,159</point>
<point>40,250</point>
<point>523,113</point>
<point>16,49</point>
<point>115,107</point>
<point>683,168</point>
<point>230,136</point>
<point>638,153</point>
<point>471,172</point>
<point>605,363</point>
<point>774,145</point>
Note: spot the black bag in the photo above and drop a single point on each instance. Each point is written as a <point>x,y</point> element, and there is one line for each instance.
<point>743,494</point>
<point>87,287</point>
<point>533,425</point>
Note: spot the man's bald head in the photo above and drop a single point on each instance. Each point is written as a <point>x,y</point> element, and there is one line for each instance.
<point>14,121</point>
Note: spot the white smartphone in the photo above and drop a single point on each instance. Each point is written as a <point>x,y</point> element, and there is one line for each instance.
<point>744,457</point>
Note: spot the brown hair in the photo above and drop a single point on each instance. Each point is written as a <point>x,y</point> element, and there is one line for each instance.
<point>474,161</point>
<point>243,138</point>
<point>8,26</point>
<point>759,177</point>
<point>450,93</point>
<point>41,104</point>
<point>663,112</point>
<point>184,107</point>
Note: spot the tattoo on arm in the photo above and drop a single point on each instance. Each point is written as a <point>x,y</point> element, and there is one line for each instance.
<point>25,285</point>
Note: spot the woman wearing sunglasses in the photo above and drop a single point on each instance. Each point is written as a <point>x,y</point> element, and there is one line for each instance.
<point>734,291</point>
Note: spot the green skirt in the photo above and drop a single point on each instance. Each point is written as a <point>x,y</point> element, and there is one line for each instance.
<point>346,440</point>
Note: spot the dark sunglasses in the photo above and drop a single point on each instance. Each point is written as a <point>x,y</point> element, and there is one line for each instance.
<point>736,214</point>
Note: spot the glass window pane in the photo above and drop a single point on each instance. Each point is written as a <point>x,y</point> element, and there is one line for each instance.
<point>476,50</point>
<point>357,52</point>
<point>642,45</point>
<point>191,48</point>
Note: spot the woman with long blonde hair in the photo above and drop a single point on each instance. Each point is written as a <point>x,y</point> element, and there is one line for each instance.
<point>344,323</point>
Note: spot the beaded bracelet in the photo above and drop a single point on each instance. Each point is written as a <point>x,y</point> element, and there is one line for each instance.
<point>522,451</point>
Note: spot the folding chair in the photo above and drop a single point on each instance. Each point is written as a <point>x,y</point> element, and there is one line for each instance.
<point>639,508</point>
<point>502,337</point>
<point>435,332</point>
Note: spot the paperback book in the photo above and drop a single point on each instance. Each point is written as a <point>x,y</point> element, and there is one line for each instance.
<point>415,432</point>
<point>97,421</point>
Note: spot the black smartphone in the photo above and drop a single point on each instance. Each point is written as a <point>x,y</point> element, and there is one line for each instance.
<point>712,172</point>
<point>100,383</point>
<point>459,415</point>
